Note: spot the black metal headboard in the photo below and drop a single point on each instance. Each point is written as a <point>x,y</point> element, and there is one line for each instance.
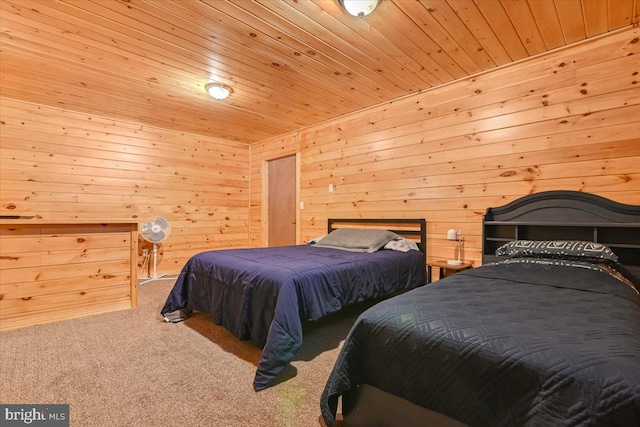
<point>410,228</point>
<point>565,215</point>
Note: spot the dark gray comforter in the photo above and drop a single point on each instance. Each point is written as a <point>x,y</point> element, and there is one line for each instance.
<point>503,345</point>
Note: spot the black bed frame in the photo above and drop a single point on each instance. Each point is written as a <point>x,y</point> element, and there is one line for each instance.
<point>409,228</point>
<point>550,215</point>
<point>565,215</point>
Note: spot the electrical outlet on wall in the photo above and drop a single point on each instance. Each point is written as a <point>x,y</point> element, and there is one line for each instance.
<point>330,188</point>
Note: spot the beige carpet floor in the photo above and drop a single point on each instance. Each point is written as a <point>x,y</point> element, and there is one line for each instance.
<point>130,368</point>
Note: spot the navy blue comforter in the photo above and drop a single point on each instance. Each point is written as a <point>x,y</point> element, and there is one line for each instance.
<point>503,345</point>
<point>264,294</point>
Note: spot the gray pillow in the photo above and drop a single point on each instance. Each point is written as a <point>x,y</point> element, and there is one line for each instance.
<point>357,239</point>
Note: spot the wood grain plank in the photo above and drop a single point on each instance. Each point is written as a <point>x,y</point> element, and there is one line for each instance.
<point>498,18</point>
<point>366,39</point>
<point>547,20</point>
<point>525,25</point>
<point>67,284</point>
<point>34,274</point>
<point>68,301</point>
<point>21,320</point>
<point>438,40</point>
<point>595,16</point>
<point>396,33</point>
<point>571,19</point>
<point>473,19</point>
<point>620,13</point>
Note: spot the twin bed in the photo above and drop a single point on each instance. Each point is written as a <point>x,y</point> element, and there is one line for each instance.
<point>545,333</point>
<point>265,294</point>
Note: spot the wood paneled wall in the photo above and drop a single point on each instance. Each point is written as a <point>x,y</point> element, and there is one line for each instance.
<point>63,166</point>
<point>56,271</point>
<point>566,120</point>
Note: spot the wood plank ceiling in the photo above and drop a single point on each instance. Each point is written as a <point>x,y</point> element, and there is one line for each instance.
<point>290,63</point>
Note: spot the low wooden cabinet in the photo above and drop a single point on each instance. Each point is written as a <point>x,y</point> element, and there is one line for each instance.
<point>51,272</point>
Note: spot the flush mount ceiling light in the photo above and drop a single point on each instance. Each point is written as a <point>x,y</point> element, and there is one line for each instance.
<point>359,8</point>
<point>218,90</point>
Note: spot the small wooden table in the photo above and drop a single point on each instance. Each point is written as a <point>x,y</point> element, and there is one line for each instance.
<point>444,267</point>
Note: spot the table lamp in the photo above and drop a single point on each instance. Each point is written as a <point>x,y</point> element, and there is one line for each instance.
<point>452,234</point>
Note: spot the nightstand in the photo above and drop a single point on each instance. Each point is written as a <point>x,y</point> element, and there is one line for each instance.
<point>446,269</point>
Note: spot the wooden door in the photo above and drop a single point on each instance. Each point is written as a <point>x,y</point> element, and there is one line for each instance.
<point>282,201</point>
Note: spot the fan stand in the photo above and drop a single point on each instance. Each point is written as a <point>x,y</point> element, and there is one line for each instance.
<point>144,274</point>
<point>154,276</point>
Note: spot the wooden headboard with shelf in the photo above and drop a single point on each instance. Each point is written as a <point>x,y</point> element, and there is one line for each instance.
<point>565,215</point>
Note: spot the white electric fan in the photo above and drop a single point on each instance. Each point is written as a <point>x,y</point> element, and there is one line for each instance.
<point>154,231</point>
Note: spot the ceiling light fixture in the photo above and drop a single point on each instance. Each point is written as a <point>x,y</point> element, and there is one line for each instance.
<point>359,8</point>
<point>218,90</point>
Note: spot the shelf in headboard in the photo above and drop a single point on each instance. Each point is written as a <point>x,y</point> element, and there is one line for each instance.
<point>618,237</point>
<point>565,215</point>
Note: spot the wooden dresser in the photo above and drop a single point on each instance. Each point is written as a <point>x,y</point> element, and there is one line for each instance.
<point>54,271</point>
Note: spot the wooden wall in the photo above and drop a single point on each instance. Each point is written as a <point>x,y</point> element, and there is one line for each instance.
<point>566,120</point>
<point>65,166</point>
<point>58,271</point>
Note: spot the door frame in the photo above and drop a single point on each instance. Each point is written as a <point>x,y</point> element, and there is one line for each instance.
<point>265,198</point>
